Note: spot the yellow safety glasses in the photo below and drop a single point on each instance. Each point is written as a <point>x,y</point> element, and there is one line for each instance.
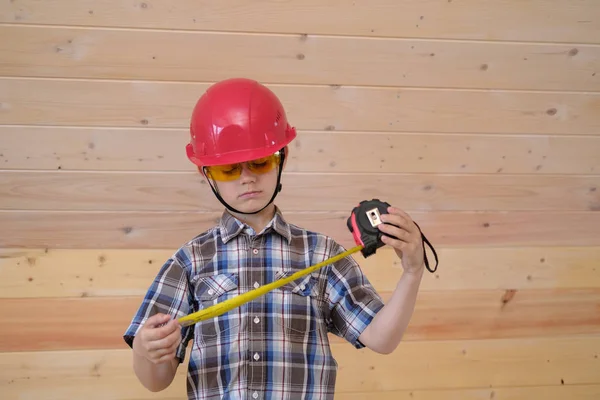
<point>231,172</point>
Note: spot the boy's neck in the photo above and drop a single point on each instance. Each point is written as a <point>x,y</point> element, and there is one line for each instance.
<point>258,221</point>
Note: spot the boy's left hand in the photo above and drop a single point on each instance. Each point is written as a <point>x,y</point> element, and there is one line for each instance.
<point>406,239</point>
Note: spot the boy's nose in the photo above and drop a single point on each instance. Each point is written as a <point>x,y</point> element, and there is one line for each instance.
<point>247,176</point>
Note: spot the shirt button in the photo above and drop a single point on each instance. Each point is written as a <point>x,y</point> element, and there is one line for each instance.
<point>256,285</point>
<point>256,320</point>
<point>211,292</point>
<point>255,251</point>
<point>255,395</point>
<point>302,287</point>
<point>256,356</point>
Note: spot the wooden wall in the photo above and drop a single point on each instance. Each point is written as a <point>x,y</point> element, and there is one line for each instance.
<point>480,118</point>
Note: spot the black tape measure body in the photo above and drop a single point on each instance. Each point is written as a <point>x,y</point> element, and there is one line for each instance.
<point>363,223</point>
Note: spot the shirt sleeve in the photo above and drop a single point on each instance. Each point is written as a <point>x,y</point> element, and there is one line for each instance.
<point>169,294</point>
<point>353,301</point>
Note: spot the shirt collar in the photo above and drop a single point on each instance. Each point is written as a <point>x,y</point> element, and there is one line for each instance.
<point>231,227</point>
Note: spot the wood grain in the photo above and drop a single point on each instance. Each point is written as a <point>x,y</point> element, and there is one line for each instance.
<point>98,323</point>
<point>58,52</point>
<point>495,363</point>
<point>490,365</point>
<point>537,20</point>
<point>145,230</point>
<point>42,273</point>
<point>89,191</point>
<point>580,392</point>
<point>85,148</point>
<point>169,105</point>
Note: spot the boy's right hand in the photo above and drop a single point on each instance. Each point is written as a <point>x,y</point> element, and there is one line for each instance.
<point>157,342</point>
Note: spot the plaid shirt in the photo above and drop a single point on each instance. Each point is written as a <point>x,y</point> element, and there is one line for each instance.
<point>276,346</point>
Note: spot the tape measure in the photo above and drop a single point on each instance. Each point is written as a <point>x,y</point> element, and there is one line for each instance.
<point>362,223</point>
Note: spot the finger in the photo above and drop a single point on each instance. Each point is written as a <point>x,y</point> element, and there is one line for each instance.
<point>396,219</point>
<point>168,350</point>
<point>396,232</point>
<point>395,243</point>
<point>165,342</point>
<point>156,334</point>
<point>176,344</point>
<point>400,218</point>
<point>162,352</point>
<point>166,357</point>
<point>157,320</point>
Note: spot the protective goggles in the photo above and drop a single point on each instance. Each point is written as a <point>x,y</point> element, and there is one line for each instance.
<point>231,172</point>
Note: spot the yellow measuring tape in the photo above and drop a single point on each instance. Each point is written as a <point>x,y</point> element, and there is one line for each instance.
<point>227,305</point>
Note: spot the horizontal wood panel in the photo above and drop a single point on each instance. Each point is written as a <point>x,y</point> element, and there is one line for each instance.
<point>444,153</point>
<point>492,365</point>
<point>487,369</point>
<point>98,323</point>
<point>538,20</point>
<point>143,230</point>
<point>495,364</point>
<point>31,273</point>
<point>75,148</point>
<point>63,190</point>
<point>579,392</point>
<point>165,55</point>
<point>169,105</point>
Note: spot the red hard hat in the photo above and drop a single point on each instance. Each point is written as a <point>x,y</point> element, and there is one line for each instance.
<point>237,120</point>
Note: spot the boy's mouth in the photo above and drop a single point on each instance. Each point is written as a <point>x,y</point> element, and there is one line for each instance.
<point>250,194</point>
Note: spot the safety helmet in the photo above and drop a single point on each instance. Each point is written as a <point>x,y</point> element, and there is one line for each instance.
<point>237,120</point>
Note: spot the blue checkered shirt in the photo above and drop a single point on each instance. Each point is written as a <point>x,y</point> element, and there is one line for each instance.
<point>276,346</point>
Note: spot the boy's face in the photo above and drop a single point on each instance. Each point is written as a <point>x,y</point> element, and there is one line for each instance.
<point>251,191</point>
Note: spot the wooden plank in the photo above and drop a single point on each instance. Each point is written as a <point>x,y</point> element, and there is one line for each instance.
<point>580,392</point>
<point>169,105</point>
<point>145,230</point>
<point>32,273</point>
<point>444,153</point>
<point>84,148</point>
<point>498,366</point>
<point>140,191</point>
<point>67,52</point>
<point>98,323</point>
<point>77,273</point>
<point>536,20</point>
<point>495,364</point>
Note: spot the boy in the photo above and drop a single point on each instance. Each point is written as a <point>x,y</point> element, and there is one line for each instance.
<point>274,347</point>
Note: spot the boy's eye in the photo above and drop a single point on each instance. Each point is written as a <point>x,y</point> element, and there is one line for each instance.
<point>258,164</point>
<point>229,169</point>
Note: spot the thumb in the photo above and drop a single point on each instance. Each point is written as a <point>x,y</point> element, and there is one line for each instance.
<point>157,320</point>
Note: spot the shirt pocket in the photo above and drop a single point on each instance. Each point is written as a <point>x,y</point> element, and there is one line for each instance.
<point>211,290</point>
<point>297,306</point>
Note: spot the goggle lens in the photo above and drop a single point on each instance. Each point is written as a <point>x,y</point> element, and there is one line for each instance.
<point>231,172</point>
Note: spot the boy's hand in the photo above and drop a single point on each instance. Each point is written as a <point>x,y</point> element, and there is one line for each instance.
<point>406,239</point>
<point>155,342</point>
